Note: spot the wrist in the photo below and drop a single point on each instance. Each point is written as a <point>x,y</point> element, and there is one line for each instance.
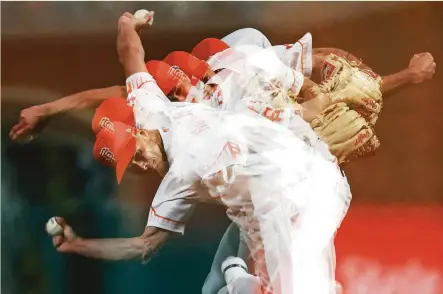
<point>408,75</point>
<point>76,245</point>
<point>125,22</point>
<point>44,110</point>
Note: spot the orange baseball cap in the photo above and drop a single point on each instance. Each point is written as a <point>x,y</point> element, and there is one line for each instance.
<point>166,76</point>
<point>116,147</point>
<point>112,109</point>
<point>103,152</point>
<point>189,64</point>
<point>194,81</point>
<point>209,47</point>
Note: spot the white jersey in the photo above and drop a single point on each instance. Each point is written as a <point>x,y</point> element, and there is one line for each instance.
<point>181,125</point>
<point>298,56</point>
<point>244,84</point>
<point>257,66</point>
<point>260,171</point>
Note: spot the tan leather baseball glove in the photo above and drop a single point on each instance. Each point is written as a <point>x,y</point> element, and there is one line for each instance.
<point>347,133</point>
<point>345,82</point>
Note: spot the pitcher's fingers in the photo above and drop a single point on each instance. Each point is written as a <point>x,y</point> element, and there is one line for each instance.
<point>14,129</point>
<point>21,123</point>
<point>128,14</point>
<point>57,241</point>
<point>60,220</point>
<point>20,133</point>
<point>68,232</point>
<point>149,15</point>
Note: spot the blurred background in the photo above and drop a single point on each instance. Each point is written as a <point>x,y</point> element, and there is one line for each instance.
<point>391,241</point>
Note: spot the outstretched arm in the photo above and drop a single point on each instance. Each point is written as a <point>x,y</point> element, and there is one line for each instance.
<point>421,68</point>
<point>33,119</point>
<point>172,207</point>
<point>131,55</point>
<point>82,100</point>
<point>124,248</point>
<point>113,249</point>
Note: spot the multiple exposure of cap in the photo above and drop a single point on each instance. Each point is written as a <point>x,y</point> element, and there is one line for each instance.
<point>115,146</point>
<point>166,76</point>
<point>112,109</point>
<point>255,72</point>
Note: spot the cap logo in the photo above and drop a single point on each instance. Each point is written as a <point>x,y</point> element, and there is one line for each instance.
<point>107,154</point>
<point>106,123</point>
<point>176,72</point>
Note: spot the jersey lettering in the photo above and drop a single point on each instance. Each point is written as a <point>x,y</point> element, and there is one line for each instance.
<point>273,115</point>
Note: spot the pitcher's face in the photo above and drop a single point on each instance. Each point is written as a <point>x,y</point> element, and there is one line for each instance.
<point>182,89</point>
<point>149,153</point>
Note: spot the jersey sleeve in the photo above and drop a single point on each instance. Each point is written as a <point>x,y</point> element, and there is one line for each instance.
<point>173,204</point>
<point>271,67</point>
<point>298,55</point>
<point>147,99</point>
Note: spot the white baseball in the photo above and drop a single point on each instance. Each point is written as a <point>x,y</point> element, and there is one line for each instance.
<point>53,228</point>
<point>141,13</point>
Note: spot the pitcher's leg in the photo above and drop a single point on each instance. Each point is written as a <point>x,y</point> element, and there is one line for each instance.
<point>229,246</point>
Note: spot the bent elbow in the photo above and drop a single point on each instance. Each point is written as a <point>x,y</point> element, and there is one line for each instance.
<point>145,248</point>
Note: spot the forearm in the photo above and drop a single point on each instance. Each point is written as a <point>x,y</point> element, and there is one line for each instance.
<point>129,48</point>
<point>123,248</point>
<point>396,82</point>
<point>82,100</point>
<point>112,249</point>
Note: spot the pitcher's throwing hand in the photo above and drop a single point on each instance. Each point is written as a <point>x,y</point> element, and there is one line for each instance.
<point>422,67</point>
<point>64,242</point>
<point>137,22</point>
<point>31,121</point>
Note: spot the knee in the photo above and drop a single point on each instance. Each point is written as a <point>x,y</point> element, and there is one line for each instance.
<point>206,289</point>
<point>211,285</point>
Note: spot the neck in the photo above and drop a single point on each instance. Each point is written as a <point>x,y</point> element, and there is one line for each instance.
<point>155,136</point>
